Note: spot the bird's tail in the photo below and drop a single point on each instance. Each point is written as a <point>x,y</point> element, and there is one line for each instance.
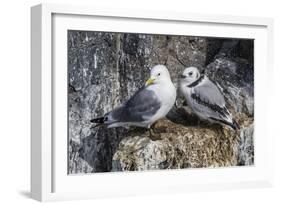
<point>235,125</point>
<point>98,120</point>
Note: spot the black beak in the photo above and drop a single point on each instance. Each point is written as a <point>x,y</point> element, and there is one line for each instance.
<point>182,76</point>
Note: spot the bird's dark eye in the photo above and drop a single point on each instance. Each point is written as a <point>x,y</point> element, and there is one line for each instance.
<point>158,74</point>
<point>190,73</point>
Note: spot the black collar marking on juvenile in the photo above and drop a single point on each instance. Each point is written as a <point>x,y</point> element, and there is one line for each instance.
<point>196,82</point>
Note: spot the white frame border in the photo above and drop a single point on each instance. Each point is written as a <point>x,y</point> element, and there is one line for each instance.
<point>42,86</point>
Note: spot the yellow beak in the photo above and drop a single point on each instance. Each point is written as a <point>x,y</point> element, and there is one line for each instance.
<point>149,82</point>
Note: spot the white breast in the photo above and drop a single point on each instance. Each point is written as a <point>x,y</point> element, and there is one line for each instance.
<point>186,92</point>
<point>167,96</point>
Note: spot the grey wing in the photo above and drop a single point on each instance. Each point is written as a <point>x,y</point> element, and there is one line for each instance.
<point>207,100</point>
<point>210,93</point>
<point>140,107</point>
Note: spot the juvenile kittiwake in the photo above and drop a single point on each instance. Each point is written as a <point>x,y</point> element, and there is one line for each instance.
<point>149,104</point>
<point>205,98</point>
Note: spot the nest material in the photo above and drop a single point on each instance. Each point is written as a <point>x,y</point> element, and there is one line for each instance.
<point>181,146</point>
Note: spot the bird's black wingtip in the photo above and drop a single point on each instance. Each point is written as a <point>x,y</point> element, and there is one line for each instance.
<point>235,125</point>
<point>92,121</point>
<point>99,120</point>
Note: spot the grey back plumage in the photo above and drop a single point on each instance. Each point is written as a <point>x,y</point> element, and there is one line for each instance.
<point>140,107</point>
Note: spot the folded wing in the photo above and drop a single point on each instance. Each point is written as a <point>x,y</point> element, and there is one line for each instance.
<point>207,99</point>
<point>140,107</point>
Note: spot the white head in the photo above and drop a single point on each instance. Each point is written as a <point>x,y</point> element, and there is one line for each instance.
<point>189,75</point>
<point>158,74</point>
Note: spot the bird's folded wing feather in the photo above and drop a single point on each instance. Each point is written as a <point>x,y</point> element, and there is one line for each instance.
<point>207,99</point>
<point>209,92</point>
<point>140,107</point>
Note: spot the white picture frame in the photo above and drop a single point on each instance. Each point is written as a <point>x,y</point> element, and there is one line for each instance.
<point>49,179</point>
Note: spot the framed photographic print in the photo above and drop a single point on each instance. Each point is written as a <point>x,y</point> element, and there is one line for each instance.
<point>137,102</point>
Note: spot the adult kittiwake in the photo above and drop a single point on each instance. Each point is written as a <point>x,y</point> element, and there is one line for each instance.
<point>205,98</point>
<point>149,104</point>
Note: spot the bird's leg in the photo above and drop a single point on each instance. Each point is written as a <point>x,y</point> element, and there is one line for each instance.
<point>150,133</point>
<point>198,122</point>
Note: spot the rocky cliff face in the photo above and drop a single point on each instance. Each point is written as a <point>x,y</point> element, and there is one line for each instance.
<point>105,69</point>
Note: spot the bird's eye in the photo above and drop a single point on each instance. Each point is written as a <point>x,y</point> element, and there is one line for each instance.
<point>158,74</point>
<point>190,73</point>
